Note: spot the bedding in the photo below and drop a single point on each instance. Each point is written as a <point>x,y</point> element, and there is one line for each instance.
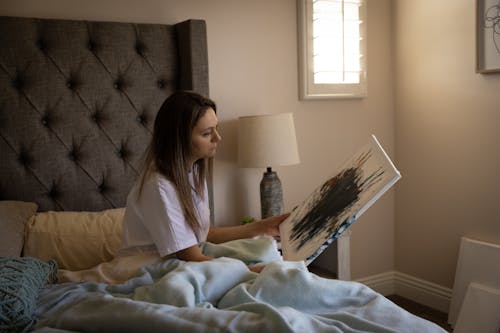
<point>222,295</point>
<point>77,105</point>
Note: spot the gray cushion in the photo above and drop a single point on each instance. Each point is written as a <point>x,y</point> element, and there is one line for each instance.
<point>13,217</point>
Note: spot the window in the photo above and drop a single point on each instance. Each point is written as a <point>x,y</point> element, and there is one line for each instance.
<point>332,48</point>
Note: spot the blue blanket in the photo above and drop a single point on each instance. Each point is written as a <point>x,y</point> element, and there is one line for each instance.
<point>222,295</point>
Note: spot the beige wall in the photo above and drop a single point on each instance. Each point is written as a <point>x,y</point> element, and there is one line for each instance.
<point>253,70</point>
<point>447,138</point>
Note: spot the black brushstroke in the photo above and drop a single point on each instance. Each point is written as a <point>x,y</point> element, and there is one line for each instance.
<point>336,196</point>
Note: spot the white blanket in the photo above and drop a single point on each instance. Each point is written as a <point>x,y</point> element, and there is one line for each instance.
<point>222,295</point>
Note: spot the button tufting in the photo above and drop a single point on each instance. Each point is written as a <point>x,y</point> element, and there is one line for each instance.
<point>71,84</point>
<point>92,46</point>
<point>140,48</point>
<point>141,119</point>
<point>54,193</point>
<point>95,117</point>
<point>73,155</point>
<point>45,120</point>
<point>18,83</point>
<point>161,83</point>
<point>24,159</point>
<point>42,45</point>
<point>119,84</point>
<point>102,188</point>
<point>123,153</point>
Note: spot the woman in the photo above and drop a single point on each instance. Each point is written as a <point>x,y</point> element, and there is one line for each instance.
<point>167,209</point>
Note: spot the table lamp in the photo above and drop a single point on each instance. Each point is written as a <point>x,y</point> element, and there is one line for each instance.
<point>266,141</point>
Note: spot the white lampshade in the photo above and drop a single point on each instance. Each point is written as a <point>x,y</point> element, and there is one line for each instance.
<point>267,141</point>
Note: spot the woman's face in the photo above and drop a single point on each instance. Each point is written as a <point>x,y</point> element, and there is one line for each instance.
<point>204,137</point>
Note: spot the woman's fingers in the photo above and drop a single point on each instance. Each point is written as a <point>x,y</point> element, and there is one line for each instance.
<point>276,220</point>
<point>256,268</point>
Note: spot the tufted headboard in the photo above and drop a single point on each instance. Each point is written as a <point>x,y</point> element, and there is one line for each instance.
<point>78,100</point>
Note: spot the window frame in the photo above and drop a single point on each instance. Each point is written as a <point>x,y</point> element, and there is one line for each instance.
<point>307,88</point>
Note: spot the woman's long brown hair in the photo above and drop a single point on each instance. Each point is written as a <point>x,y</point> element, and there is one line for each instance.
<point>170,149</point>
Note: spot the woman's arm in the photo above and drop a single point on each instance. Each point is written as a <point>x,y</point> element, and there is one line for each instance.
<point>268,226</point>
<point>192,253</point>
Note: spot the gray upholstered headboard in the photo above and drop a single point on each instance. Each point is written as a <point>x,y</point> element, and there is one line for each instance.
<point>78,101</point>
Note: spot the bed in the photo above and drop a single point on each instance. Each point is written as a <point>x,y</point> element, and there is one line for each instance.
<point>77,105</point>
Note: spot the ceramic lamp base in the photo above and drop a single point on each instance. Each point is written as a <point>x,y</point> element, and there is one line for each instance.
<point>271,194</point>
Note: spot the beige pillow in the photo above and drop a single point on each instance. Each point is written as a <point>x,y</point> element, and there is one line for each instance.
<point>75,240</point>
<point>14,215</point>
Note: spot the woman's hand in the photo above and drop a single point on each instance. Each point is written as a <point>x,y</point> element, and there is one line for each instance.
<point>192,253</point>
<point>268,226</point>
<point>256,268</point>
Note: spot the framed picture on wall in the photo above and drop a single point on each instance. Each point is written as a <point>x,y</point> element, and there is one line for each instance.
<point>488,36</point>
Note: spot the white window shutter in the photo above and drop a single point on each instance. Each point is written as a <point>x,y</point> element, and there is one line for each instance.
<point>332,48</point>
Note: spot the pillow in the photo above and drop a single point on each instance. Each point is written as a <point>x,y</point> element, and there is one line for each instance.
<point>75,240</point>
<point>21,280</point>
<point>13,217</point>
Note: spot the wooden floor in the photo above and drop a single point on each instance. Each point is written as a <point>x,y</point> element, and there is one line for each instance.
<point>438,317</point>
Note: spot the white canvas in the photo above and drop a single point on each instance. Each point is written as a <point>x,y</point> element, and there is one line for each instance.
<point>480,311</point>
<point>337,203</point>
<point>477,262</point>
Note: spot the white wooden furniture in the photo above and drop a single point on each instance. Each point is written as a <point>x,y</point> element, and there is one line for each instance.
<point>336,259</point>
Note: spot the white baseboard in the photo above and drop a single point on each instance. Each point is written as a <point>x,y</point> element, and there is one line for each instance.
<point>382,283</point>
<point>421,291</point>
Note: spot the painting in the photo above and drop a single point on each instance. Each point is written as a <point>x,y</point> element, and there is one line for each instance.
<point>488,36</point>
<point>337,203</point>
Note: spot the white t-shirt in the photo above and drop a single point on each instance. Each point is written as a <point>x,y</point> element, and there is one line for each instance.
<point>156,219</point>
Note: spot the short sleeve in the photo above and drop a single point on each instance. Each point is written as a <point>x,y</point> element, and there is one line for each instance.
<point>163,217</point>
